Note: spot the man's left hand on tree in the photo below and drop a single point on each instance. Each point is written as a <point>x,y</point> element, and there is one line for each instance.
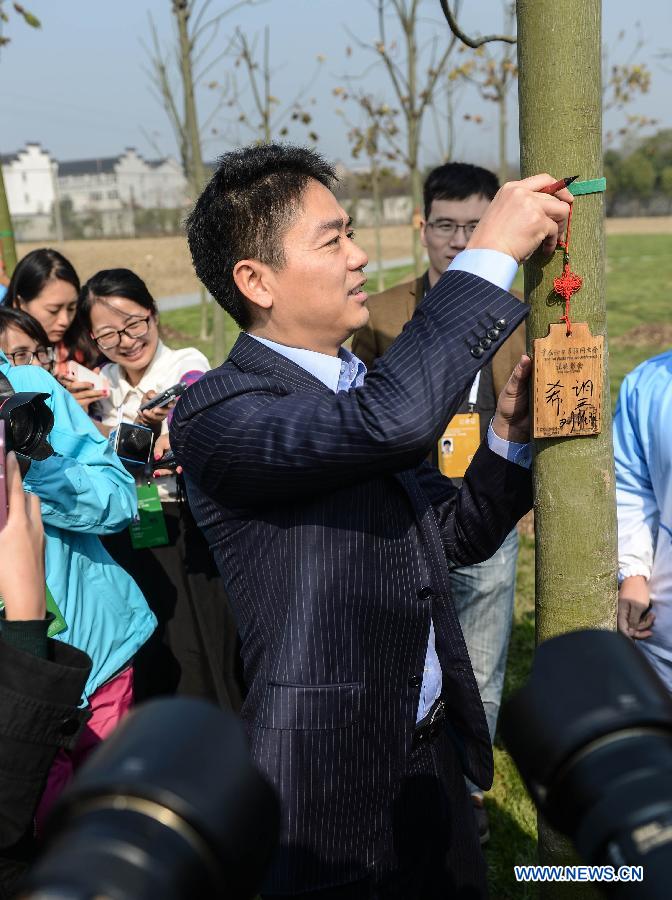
<point>512,416</point>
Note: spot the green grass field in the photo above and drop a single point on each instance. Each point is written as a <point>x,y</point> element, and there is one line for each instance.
<point>639,296</point>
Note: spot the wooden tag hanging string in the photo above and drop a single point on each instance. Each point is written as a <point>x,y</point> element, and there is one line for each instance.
<point>569,282</point>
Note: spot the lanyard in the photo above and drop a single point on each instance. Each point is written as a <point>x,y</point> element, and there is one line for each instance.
<point>473,393</point>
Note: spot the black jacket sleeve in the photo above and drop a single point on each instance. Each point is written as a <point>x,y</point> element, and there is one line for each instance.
<point>39,713</point>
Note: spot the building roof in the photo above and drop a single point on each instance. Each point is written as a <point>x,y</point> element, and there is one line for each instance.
<point>7,158</point>
<point>101,166</point>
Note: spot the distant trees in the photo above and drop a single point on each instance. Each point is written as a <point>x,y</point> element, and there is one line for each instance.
<point>639,172</point>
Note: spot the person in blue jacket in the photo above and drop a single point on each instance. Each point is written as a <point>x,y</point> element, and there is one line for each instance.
<point>85,492</point>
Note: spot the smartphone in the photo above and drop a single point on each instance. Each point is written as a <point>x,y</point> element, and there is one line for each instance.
<point>78,372</point>
<point>167,461</point>
<point>133,444</point>
<point>166,397</point>
<point>3,477</point>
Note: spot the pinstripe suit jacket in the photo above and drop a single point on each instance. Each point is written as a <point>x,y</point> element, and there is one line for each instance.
<point>334,540</point>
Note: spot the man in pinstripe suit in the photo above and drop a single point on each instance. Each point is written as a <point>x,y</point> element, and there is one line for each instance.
<point>333,537</point>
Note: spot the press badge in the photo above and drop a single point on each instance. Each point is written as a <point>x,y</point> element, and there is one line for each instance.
<point>148,529</point>
<point>458,444</point>
<point>58,624</point>
<point>461,439</point>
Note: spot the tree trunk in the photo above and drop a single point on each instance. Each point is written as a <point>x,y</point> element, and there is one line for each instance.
<point>416,202</point>
<point>559,60</point>
<point>503,127</point>
<point>377,223</point>
<point>6,231</point>
<point>197,175</point>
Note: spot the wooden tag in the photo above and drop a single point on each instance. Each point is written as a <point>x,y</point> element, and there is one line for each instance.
<point>568,382</point>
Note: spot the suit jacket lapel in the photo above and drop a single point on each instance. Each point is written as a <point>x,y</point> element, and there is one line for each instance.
<point>415,295</point>
<point>253,356</point>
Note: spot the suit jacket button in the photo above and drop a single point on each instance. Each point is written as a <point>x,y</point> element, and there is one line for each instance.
<point>501,324</point>
<point>476,351</point>
<point>493,333</point>
<point>485,343</point>
<point>415,681</point>
<point>69,727</point>
<point>425,593</point>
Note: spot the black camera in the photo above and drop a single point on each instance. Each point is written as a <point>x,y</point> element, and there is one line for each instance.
<point>591,733</point>
<point>28,421</point>
<point>169,807</point>
<point>133,443</point>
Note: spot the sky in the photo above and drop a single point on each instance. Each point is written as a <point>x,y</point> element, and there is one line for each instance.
<point>79,86</point>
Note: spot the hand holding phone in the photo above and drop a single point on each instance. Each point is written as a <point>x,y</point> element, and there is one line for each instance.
<point>164,458</point>
<point>85,385</point>
<point>74,371</point>
<point>164,398</point>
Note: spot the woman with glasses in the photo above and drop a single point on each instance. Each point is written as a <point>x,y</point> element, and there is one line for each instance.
<point>46,286</point>
<point>194,649</point>
<point>24,341</point>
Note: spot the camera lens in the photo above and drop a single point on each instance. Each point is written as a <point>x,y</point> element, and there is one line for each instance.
<point>596,753</point>
<point>169,807</point>
<point>28,421</point>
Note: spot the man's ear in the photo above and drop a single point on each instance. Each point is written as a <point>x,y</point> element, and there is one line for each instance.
<point>250,277</point>
<point>423,232</point>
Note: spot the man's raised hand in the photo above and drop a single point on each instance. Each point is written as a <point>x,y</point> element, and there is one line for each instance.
<point>519,219</point>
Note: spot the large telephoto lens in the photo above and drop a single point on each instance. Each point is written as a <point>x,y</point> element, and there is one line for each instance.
<point>591,733</point>
<point>170,807</point>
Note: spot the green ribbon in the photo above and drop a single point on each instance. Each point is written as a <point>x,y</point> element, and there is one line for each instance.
<point>594,186</point>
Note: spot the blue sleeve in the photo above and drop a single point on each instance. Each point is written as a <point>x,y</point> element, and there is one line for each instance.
<point>267,443</point>
<point>497,268</point>
<point>83,486</point>
<point>636,503</point>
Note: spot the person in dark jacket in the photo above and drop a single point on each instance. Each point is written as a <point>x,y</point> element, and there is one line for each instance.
<point>335,539</point>
<point>41,682</point>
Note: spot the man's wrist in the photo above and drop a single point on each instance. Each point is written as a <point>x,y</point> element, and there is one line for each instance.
<point>510,432</point>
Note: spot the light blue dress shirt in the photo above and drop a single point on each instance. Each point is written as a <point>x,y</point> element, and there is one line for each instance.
<point>346,371</point>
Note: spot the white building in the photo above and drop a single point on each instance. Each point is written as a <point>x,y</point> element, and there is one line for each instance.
<point>103,194</point>
<point>127,181</point>
<point>30,184</point>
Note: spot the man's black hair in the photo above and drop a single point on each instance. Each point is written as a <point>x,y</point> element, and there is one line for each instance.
<point>244,212</point>
<point>458,181</point>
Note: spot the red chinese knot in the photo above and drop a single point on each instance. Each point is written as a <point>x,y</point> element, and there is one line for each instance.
<point>569,282</point>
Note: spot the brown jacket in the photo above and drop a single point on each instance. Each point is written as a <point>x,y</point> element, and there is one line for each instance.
<point>389,312</point>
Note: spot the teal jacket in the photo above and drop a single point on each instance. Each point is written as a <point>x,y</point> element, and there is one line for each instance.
<point>85,491</point>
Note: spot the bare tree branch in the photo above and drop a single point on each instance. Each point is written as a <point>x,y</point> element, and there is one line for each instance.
<point>472,42</point>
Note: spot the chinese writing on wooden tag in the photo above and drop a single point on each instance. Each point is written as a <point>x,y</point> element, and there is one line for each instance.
<point>568,382</point>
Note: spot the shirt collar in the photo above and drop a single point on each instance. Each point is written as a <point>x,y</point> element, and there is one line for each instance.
<point>338,373</point>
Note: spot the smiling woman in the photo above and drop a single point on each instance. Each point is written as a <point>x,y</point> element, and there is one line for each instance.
<point>194,649</point>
